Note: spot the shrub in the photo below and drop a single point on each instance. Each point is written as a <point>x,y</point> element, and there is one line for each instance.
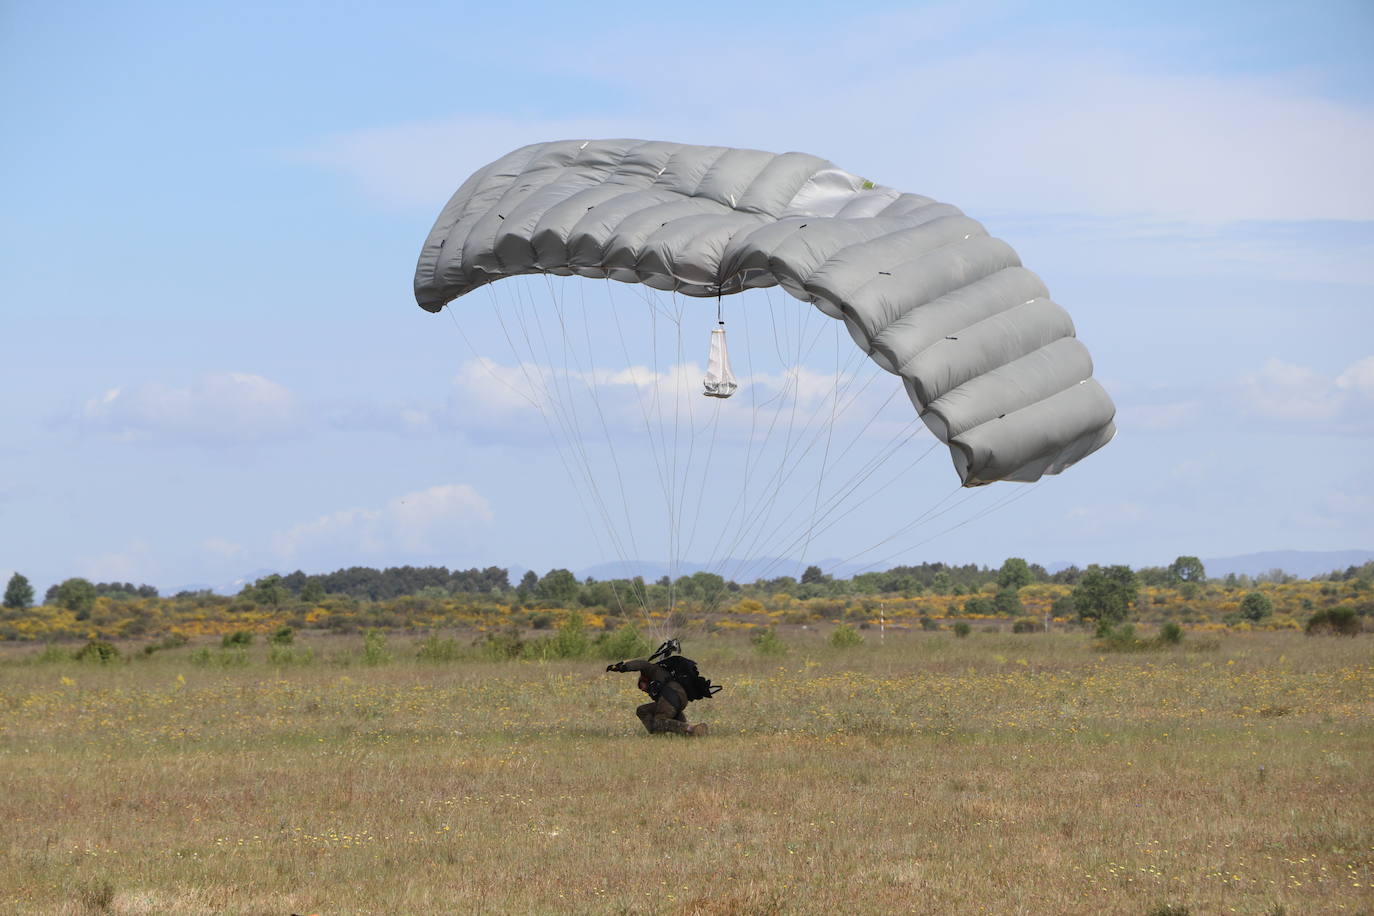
<point>1168,909</point>
<point>236,657</point>
<point>97,650</point>
<point>928,624</point>
<point>236,638</point>
<point>962,629</point>
<point>287,655</point>
<point>374,648</point>
<point>845,637</point>
<point>1171,634</point>
<point>766,642</point>
<point>1025,625</point>
<point>569,642</point>
<point>541,621</point>
<point>52,653</point>
<point>283,636</point>
<point>438,649</point>
<point>1256,606</point>
<point>623,642</point>
<point>1336,621</point>
<point>828,610</point>
<point>503,645</point>
<point>1120,638</point>
<point>170,641</point>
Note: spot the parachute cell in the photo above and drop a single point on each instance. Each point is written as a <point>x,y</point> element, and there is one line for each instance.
<point>989,360</point>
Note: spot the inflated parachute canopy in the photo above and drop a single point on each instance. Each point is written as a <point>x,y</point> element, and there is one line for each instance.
<point>990,362</point>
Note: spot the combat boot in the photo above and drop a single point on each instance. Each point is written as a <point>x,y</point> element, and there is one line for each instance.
<point>698,730</point>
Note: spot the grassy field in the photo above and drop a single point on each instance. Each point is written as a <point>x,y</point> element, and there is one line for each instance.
<point>994,774</point>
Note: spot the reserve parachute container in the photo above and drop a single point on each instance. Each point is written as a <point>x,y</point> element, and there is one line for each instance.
<point>990,362</point>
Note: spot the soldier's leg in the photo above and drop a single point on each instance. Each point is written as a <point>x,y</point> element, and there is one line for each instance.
<point>646,715</point>
<point>668,718</point>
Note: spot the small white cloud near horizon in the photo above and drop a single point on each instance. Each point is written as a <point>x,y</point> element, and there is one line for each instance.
<point>1299,394</point>
<point>424,523</point>
<point>134,563</point>
<point>1336,508</point>
<point>222,548</point>
<point>218,408</point>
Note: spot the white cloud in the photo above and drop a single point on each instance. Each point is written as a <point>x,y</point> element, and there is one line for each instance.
<point>1060,127</point>
<point>429,522</point>
<point>1299,394</point>
<point>422,163</point>
<point>511,402</point>
<point>134,563</point>
<point>1358,379</point>
<point>224,407</point>
<point>1337,508</point>
<point>222,548</point>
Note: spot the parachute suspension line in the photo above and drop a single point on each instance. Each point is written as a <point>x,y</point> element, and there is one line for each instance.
<point>634,375</point>
<point>825,457</point>
<point>989,510</point>
<point>839,499</point>
<point>755,527</point>
<point>666,463</point>
<point>565,413</point>
<point>566,408</point>
<point>793,382</point>
<point>683,396</point>
<point>533,401</point>
<point>639,391</point>
<point>739,504</point>
<point>637,589</point>
<point>758,525</point>
<point>659,444</point>
<point>588,374</point>
<point>742,505</point>
<point>592,383</point>
<point>866,470</point>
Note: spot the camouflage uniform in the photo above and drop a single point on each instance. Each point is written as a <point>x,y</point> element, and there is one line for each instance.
<point>664,713</point>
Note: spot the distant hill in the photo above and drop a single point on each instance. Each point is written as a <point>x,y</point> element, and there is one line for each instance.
<point>1301,563</point>
<point>738,570</point>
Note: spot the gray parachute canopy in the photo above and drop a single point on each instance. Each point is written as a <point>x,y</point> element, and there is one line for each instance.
<point>990,362</point>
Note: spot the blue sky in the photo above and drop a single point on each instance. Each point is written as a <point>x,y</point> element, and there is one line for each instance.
<point>212,363</point>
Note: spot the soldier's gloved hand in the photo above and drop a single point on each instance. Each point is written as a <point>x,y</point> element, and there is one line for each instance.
<point>615,667</point>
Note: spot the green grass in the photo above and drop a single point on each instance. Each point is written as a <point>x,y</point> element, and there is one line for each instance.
<point>920,772</point>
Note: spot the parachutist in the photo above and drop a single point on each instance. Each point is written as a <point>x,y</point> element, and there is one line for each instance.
<point>670,685</point>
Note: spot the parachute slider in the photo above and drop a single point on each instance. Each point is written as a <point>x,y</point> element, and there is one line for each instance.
<point>719,381</point>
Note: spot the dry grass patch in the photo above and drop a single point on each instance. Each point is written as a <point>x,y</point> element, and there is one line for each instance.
<point>923,774</point>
